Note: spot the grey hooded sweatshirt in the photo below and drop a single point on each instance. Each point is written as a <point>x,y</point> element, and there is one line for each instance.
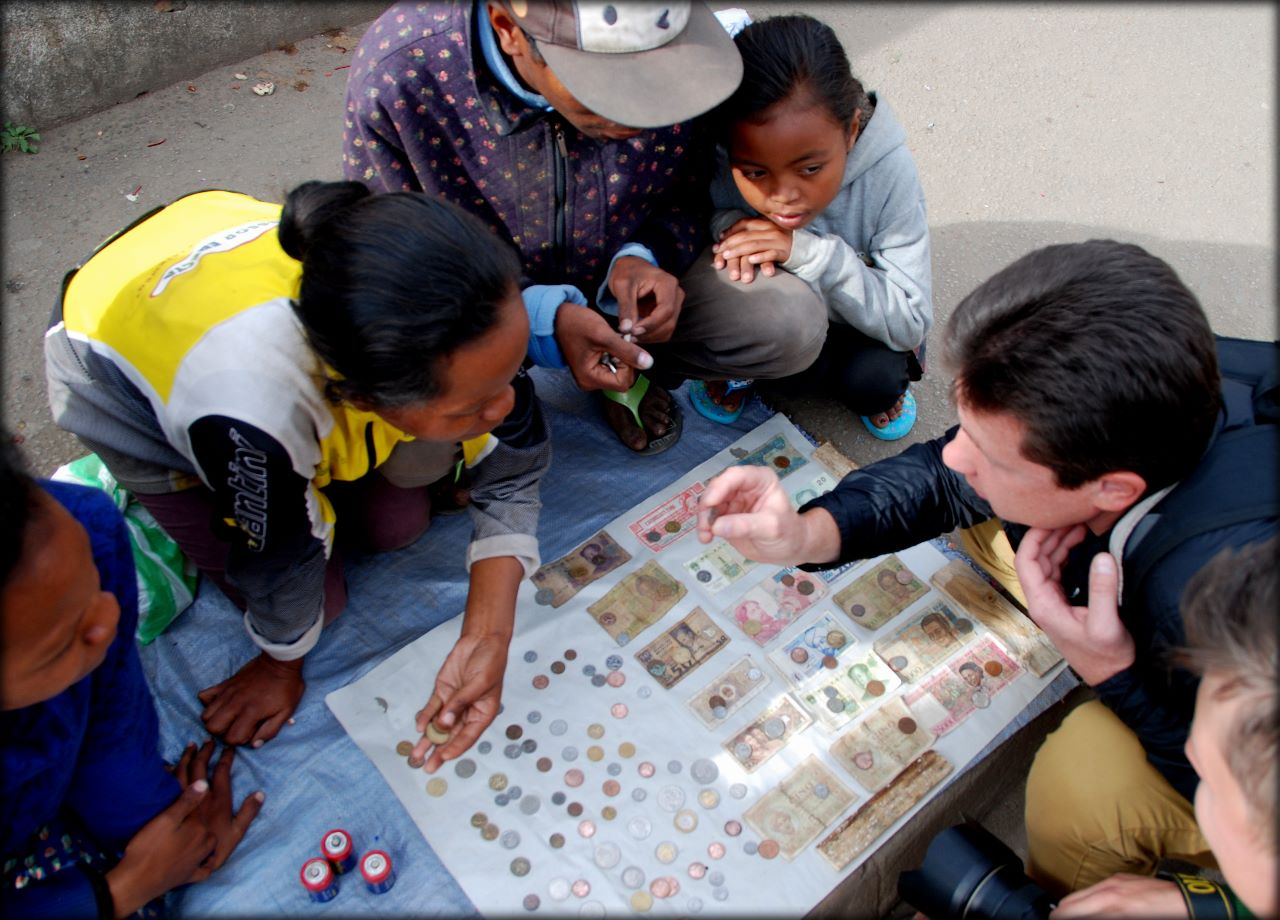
<point>867,255</point>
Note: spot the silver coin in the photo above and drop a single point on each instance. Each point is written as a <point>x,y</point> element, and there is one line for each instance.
<point>598,680</point>
<point>754,674</point>
<point>589,670</point>
<point>644,692</point>
<point>484,747</point>
<point>720,894</point>
<point>624,638</point>
<point>638,794</point>
<point>704,771</point>
<point>514,792</point>
<point>738,790</point>
<point>716,878</point>
<point>613,769</point>
<point>592,909</point>
<point>501,799</point>
<point>613,662</point>
<point>830,692</point>
<point>774,728</point>
<point>557,798</point>
<point>674,766</point>
<point>633,877</point>
<point>528,745</point>
<point>534,717</point>
<point>821,790</point>
<point>719,712</point>
<point>742,751</point>
<point>640,827</point>
<point>570,753</point>
<point>694,905</point>
<point>466,767</point>
<point>750,847</point>
<point>544,596</point>
<point>510,839</point>
<point>558,888</point>
<point>531,656</point>
<point>520,867</point>
<point>670,798</point>
<point>607,855</point>
<point>835,704</point>
<point>511,751</point>
<point>530,804</point>
<point>558,727</point>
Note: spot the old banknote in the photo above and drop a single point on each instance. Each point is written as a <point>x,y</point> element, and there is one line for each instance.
<point>858,831</point>
<point>881,593</point>
<point>680,650</point>
<point>768,733</point>
<point>857,684</point>
<point>1024,639</point>
<point>766,610</point>
<point>776,454</point>
<point>932,635</point>
<point>830,456</point>
<point>726,694</point>
<point>639,600</point>
<point>880,746</point>
<point>811,648</point>
<point>798,809</point>
<point>719,566</point>
<point>675,517</point>
<point>968,683</point>
<point>560,580</point>
<point>819,484</point>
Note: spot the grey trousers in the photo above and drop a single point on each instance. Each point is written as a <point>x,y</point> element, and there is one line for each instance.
<point>770,328</point>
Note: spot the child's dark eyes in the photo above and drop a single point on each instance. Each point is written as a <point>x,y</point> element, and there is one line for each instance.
<point>811,170</point>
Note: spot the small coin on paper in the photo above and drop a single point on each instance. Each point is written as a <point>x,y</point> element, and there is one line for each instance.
<point>676,653</point>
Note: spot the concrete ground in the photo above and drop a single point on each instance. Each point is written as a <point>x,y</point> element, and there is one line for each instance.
<point>1030,123</point>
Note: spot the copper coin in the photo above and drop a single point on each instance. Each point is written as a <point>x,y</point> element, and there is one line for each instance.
<point>595,753</point>
<point>595,730</point>
<point>697,869</point>
<point>875,688</point>
<point>787,580</point>
<point>836,639</point>
<point>541,682</point>
<point>581,888</point>
<point>994,668</point>
<point>799,655</point>
<point>805,588</point>
<point>618,710</point>
<point>733,828</point>
<point>586,828</point>
<point>573,777</point>
<point>964,626</point>
<point>660,888</point>
<point>544,764</point>
<point>514,732</point>
<point>674,883</point>
<point>479,819</point>
<point>904,577</point>
<point>570,654</point>
<point>608,812</point>
<point>574,809</point>
<point>416,762</point>
<point>782,462</point>
<point>611,787</point>
<point>716,701</point>
<point>616,679</point>
<point>858,610</point>
<point>489,832</point>
<point>557,667</point>
<point>556,841</point>
<point>769,848</point>
<point>829,661</point>
<point>715,850</point>
<point>646,769</point>
<point>907,725</point>
<point>626,750</point>
<point>404,748</point>
<point>863,760</point>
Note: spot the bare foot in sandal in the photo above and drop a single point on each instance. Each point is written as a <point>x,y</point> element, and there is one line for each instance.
<point>882,419</point>
<point>658,412</point>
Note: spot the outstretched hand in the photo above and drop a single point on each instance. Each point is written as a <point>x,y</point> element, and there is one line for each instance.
<point>467,694</point>
<point>214,810</point>
<point>1092,639</point>
<point>585,337</point>
<point>746,506</point>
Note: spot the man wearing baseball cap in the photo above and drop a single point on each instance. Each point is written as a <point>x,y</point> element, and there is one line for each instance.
<point>572,129</point>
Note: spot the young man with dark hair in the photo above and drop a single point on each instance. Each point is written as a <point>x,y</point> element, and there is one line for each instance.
<point>1093,417</point>
<point>573,130</point>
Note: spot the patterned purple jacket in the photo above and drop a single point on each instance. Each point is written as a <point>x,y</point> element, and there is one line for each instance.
<point>425,113</point>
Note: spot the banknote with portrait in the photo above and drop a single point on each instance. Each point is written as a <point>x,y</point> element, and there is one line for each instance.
<point>768,733</point>
<point>858,683</point>
<point>560,580</point>
<point>880,746</point>
<point>718,566</point>
<point>728,692</point>
<point>1024,639</point>
<point>767,609</point>
<point>812,646</point>
<point>682,649</point>
<point>659,527</point>
<point>640,599</point>
<point>966,684</point>
<point>932,635</point>
<point>881,593</point>
<point>861,829</point>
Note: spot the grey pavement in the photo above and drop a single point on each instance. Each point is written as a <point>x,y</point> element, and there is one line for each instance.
<point>1030,123</point>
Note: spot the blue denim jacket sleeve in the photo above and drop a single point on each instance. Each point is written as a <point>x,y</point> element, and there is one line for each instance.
<point>542,301</point>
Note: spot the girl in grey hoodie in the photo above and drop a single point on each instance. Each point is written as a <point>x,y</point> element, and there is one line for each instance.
<point>815,178</point>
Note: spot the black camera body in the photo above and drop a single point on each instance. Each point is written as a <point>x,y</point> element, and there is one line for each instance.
<point>969,874</point>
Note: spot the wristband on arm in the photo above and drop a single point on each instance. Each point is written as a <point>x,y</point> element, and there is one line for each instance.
<point>1205,899</point>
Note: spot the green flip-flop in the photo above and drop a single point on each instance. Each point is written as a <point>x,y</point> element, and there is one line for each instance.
<point>631,399</point>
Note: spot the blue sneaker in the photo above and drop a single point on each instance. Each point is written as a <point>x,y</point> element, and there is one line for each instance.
<point>901,426</point>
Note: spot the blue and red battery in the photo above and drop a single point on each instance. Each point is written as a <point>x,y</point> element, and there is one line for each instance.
<point>319,879</point>
<point>336,847</point>
<point>379,877</point>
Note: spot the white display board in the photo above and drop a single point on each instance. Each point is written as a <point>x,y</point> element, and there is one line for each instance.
<point>599,795</point>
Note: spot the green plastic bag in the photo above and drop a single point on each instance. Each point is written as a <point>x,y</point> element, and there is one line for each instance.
<point>166,577</point>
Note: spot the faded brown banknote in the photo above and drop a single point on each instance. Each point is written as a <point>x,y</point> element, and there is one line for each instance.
<point>728,692</point>
<point>880,594</point>
<point>682,649</point>
<point>558,581</point>
<point>878,748</point>
<point>816,789</point>
<point>768,733</point>
<point>858,831</point>
<point>933,634</point>
<point>636,602</point>
<point>1024,639</point>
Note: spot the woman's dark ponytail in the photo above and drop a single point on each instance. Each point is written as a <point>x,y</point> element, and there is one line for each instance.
<point>309,206</point>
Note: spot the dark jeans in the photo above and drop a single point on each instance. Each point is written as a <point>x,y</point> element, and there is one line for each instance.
<point>861,372</point>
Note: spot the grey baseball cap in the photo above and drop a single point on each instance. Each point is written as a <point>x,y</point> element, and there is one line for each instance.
<point>639,63</point>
